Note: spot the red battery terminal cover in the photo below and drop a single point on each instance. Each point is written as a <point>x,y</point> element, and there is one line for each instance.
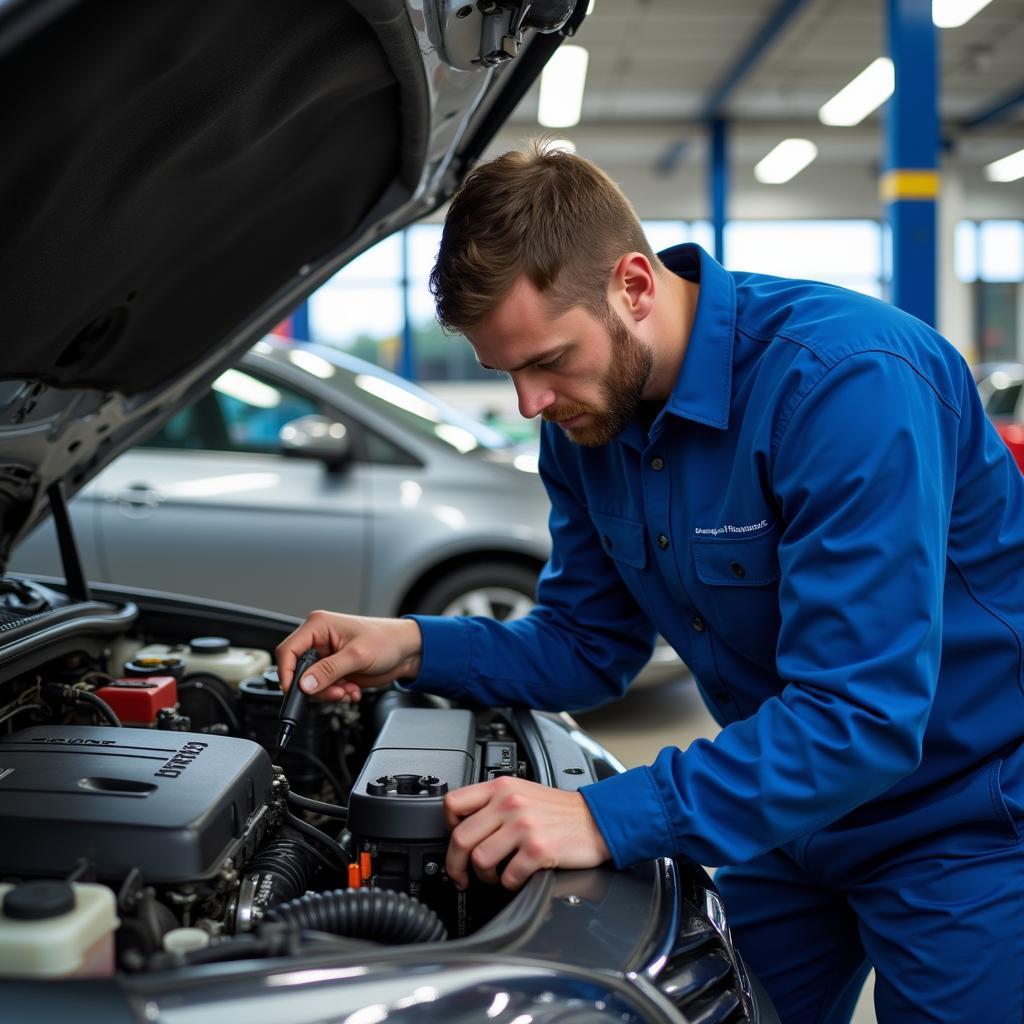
<point>136,701</point>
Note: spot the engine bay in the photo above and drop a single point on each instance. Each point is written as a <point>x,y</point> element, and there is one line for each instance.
<point>151,822</point>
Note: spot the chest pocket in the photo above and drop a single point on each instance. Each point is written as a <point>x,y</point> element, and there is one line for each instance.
<point>740,586</point>
<point>622,539</point>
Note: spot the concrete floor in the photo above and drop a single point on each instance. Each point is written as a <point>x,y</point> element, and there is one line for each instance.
<point>672,714</point>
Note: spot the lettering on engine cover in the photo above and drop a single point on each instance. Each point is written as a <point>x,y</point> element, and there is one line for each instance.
<point>74,741</point>
<point>181,760</point>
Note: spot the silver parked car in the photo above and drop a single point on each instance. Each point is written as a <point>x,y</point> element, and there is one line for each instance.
<point>391,501</point>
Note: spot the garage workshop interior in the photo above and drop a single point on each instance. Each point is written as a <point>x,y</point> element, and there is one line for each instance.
<point>227,401</point>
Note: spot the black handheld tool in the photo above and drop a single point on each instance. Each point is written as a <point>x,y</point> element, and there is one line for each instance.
<point>293,707</point>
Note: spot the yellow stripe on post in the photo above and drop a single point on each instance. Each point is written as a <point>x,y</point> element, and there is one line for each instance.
<point>897,184</point>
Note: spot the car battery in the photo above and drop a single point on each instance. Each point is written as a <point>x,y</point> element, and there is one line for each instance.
<point>136,701</point>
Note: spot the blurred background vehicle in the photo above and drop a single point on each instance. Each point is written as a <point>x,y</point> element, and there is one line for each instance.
<point>1001,386</point>
<point>307,478</point>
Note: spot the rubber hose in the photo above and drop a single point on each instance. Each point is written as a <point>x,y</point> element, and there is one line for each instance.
<point>381,915</point>
<point>318,806</point>
<point>312,832</point>
<point>211,685</point>
<point>287,868</point>
<point>98,704</point>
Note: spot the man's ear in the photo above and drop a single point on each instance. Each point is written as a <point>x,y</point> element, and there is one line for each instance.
<point>632,286</point>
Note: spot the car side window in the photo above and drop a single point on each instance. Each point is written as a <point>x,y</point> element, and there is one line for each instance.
<point>383,452</point>
<point>240,413</point>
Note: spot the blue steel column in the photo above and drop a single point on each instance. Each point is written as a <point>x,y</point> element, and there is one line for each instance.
<point>718,181</point>
<point>910,183</point>
<point>300,322</point>
<point>407,357</point>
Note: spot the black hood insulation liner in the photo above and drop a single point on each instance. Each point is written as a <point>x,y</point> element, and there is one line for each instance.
<point>204,153</point>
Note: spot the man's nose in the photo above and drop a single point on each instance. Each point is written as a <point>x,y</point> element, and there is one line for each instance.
<point>533,400</point>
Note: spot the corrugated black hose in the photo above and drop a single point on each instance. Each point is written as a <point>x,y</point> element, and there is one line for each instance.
<point>380,915</point>
<point>287,867</point>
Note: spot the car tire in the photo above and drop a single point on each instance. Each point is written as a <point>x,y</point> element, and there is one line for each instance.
<point>498,590</point>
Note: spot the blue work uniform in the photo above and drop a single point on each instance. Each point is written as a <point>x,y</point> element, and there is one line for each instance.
<point>824,525</point>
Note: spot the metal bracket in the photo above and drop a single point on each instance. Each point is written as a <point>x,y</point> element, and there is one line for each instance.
<point>490,32</point>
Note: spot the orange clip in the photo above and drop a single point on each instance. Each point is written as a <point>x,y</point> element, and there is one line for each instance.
<point>355,879</point>
<point>365,865</point>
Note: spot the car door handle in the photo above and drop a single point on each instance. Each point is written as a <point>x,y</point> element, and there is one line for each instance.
<point>138,496</point>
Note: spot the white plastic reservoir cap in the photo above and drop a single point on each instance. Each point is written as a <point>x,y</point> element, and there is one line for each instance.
<point>186,940</point>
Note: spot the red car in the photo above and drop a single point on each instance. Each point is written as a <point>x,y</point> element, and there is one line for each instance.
<point>1002,392</point>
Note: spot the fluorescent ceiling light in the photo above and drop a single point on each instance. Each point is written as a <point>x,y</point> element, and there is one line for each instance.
<point>954,13</point>
<point>561,87</point>
<point>1009,168</point>
<point>867,92</point>
<point>785,161</point>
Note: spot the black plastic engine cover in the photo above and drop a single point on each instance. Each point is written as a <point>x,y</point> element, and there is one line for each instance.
<point>419,755</point>
<point>170,803</point>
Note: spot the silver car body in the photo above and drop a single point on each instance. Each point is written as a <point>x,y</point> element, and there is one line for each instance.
<point>291,534</point>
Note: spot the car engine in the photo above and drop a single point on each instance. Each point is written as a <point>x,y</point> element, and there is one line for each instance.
<point>144,775</point>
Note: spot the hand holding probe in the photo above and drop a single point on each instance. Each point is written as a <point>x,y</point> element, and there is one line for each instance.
<point>293,707</point>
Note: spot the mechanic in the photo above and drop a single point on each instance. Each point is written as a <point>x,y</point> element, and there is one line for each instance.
<point>797,486</point>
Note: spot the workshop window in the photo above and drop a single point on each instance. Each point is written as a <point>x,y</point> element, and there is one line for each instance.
<point>989,255</point>
<point>360,308</point>
<point>842,252</point>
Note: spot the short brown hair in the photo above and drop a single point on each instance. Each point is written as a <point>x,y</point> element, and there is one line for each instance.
<point>544,213</point>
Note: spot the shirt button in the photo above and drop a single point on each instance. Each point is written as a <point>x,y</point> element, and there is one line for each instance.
<point>737,570</point>
<point>662,541</point>
<point>721,697</point>
<point>657,462</point>
<point>607,541</point>
<point>698,623</point>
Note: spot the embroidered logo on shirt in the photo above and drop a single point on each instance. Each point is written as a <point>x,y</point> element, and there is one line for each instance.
<point>717,531</point>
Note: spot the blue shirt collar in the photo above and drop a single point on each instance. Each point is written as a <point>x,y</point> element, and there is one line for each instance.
<point>703,389</point>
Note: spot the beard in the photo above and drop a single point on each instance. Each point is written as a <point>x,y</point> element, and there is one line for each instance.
<point>622,389</point>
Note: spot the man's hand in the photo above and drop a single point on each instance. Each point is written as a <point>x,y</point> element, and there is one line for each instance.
<point>536,826</point>
<point>355,651</point>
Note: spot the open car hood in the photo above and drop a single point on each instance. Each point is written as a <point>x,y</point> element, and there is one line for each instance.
<point>178,175</point>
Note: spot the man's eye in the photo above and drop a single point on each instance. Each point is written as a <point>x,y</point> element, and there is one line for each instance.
<point>551,364</point>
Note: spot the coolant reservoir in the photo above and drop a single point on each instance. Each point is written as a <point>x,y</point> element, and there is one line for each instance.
<point>57,930</point>
<point>212,654</point>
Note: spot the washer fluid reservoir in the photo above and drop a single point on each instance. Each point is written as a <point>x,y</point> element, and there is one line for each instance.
<point>51,929</point>
<point>213,654</point>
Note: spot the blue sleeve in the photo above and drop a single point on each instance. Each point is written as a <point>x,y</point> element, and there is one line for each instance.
<point>579,647</point>
<point>864,473</point>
